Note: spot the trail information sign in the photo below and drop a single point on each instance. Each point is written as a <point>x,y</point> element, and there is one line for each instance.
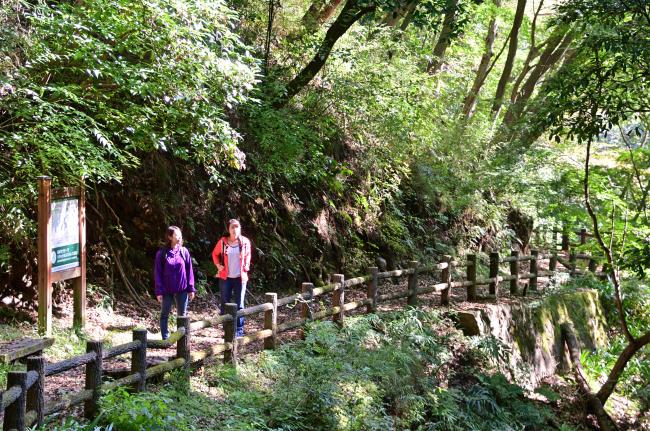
<point>65,234</point>
<point>61,248</point>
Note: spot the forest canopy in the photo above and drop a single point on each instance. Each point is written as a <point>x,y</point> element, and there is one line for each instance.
<point>359,128</point>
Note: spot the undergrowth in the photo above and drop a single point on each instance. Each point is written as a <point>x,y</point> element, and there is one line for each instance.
<point>395,371</point>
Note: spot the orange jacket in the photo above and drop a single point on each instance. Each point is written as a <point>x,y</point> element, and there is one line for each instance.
<point>244,252</point>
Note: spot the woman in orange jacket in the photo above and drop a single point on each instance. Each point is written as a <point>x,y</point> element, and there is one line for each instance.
<point>232,257</point>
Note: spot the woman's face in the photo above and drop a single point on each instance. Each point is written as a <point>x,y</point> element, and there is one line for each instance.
<point>235,230</point>
<point>174,238</point>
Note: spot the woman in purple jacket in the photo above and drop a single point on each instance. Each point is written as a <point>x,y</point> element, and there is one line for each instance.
<point>174,277</point>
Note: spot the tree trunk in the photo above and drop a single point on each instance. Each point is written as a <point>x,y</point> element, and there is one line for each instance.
<point>350,14</point>
<point>444,40</point>
<point>634,344</point>
<point>615,373</point>
<point>510,59</point>
<point>556,47</point>
<point>613,268</point>
<point>409,15</point>
<point>392,18</point>
<point>481,74</point>
<point>533,52</point>
<point>328,11</point>
<point>595,405</point>
<point>310,18</point>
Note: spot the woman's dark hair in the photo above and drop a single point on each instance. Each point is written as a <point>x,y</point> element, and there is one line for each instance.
<point>171,230</point>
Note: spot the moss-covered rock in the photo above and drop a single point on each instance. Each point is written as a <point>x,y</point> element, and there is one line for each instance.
<point>532,329</point>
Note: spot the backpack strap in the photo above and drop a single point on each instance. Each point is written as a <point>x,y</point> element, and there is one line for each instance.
<point>223,251</point>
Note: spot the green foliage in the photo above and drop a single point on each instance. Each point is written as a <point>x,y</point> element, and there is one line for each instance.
<point>633,383</point>
<point>71,424</point>
<point>101,83</point>
<point>377,372</point>
<point>602,85</point>
<point>636,302</point>
<point>144,411</point>
<point>490,404</point>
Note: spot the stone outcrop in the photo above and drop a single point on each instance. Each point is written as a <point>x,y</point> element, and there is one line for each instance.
<point>529,331</point>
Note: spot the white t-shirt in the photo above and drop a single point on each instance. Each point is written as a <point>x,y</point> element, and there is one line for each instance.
<point>234,260</point>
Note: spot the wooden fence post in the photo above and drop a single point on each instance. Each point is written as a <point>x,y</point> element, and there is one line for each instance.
<point>36,394</point>
<point>573,262</point>
<point>230,329</point>
<point>583,236</point>
<point>372,289</point>
<point>445,276</point>
<point>94,378</point>
<point>338,299</point>
<point>533,269</point>
<point>552,263</point>
<point>79,283</point>
<point>472,262</point>
<point>514,270</point>
<point>139,359</point>
<point>306,290</point>
<point>14,417</point>
<point>183,343</point>
<point>44,256</point>
<point>413,284</point>
<point>494,272</point>
<point>593,264</point>
<point>271,321</point>
<point>565,239</point>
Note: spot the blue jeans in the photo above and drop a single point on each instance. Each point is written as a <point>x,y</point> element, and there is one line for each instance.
<point>233,291</point>
<point>181,309</point>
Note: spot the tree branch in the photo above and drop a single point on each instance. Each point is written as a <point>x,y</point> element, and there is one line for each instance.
<point>625,356</point>
<point>350,14</point>
<point>608,252</point>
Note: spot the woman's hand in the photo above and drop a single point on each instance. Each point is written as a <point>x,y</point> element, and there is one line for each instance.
<point>220,267</point>
<point>192,294</point>
<point>159,298</point>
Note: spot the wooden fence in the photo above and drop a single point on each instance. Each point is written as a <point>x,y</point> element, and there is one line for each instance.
<point>23,400</point>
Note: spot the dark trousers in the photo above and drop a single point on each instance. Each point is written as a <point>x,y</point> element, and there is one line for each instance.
<point>168,299</point>
<point>233,291</point>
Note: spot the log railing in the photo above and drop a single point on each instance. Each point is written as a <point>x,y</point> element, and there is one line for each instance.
<point>23,400</point>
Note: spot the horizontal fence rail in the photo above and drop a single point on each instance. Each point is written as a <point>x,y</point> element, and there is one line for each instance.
<point>23,400</point>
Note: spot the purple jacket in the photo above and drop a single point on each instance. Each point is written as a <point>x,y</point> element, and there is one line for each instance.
<point>176,274</point>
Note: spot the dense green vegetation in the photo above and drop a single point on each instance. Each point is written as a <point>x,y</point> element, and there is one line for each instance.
<point>393,371</point>
<point>340,132</point>
<point>177,113</point>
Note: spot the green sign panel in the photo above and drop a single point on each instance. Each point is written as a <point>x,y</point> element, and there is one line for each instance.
<point>65,234</point>
<point>65,257</point>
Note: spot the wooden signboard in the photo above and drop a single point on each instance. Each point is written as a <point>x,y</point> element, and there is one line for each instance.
<point>61,249</point>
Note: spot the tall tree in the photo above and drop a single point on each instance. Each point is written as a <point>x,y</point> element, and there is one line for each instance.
<point>446,35</point>
<point>510,59</point>
<point>604,83</point>
<point>351,13</point>
<point>533,52</point>
<point>483,68</point>
<point>557,47</point>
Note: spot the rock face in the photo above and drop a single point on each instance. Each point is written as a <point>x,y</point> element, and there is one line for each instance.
<point>529,331</point>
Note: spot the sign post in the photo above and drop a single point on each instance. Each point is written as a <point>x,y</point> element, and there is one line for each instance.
<point>61,249</point>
